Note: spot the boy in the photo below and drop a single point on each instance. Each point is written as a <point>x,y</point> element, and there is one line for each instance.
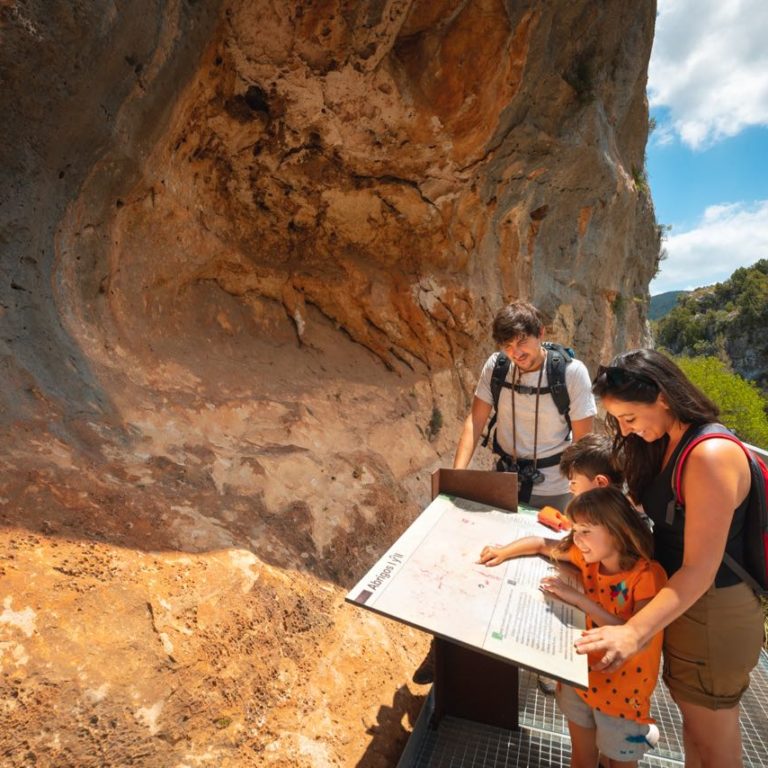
<point>589,464</point>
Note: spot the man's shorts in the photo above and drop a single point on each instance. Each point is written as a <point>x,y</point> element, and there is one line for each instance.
<point>710,650</point>
<point>617,738</point>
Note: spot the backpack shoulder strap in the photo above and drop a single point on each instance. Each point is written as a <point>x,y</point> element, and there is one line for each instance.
<point>558,357</point>
<point>756,496</point>
<point>705,432</point>
<point>498,378</point>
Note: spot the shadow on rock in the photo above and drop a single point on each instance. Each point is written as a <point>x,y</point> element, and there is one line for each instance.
<point>389,732</point>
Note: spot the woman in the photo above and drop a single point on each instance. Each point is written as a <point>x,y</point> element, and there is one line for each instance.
<point>708,613</point>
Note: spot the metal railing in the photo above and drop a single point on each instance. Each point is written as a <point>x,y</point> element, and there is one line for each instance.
<point>761,452</point>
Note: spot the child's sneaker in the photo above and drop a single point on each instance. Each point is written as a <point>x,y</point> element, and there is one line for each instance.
<point>547,685</point>
<point>652,737</point>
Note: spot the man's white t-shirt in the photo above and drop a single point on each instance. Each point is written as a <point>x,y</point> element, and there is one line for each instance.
<point>553,434</point>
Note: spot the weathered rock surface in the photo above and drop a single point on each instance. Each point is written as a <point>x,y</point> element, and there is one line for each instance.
<point>250,253</point>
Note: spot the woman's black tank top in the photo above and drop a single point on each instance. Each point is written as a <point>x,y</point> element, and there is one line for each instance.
<point>668,539</point>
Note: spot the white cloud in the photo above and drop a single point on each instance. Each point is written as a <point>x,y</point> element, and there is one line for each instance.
<point>727,237</point>
<point>709,67</point>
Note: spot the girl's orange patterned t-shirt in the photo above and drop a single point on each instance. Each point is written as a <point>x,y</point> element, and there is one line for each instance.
<point>627,691</point>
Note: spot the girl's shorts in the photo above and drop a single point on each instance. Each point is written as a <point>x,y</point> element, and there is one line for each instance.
<point>617,738</point>
<point>710,650</point>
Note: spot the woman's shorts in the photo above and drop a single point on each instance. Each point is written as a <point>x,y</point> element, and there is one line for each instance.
<point>617,738</point>
<point>710,650</point>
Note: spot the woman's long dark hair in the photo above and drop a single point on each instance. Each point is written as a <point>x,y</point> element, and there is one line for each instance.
<point>639,376</point>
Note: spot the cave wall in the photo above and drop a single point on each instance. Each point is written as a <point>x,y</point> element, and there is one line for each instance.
<point>251,252</point>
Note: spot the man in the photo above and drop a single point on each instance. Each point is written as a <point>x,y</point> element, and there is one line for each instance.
<point>530,432</point>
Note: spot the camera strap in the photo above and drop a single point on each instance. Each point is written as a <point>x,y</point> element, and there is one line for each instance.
<point>526,480</point>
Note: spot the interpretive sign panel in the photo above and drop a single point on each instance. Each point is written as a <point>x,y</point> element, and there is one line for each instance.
<point>429,578</point>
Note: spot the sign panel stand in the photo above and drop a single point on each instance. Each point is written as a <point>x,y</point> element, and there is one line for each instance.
<point>470,684</point>
<point>474,686</point>
<point>486,621</point>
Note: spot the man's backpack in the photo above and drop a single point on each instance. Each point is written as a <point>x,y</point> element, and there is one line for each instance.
<point>755,569</point>
<point>558,358</point>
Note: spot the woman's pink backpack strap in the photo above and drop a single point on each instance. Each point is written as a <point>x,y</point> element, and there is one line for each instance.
<point>755,569</point>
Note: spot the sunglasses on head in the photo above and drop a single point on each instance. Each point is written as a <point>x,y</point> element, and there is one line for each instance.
<point>620,377</point>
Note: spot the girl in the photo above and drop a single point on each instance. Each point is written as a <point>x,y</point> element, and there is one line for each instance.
<point>611,547</point>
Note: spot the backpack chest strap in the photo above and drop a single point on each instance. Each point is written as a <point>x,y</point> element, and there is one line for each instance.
<point>522,389</point>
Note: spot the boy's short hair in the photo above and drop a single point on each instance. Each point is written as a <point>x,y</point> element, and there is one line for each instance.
<point>591,456</point>
<point>516,320</point>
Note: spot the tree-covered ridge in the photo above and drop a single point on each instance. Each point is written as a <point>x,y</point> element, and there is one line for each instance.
<point>663,303</point>
<point>742,407</point>
<point>728,320</point>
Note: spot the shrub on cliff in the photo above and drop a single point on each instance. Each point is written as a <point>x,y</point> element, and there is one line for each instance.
<point>742,407</point>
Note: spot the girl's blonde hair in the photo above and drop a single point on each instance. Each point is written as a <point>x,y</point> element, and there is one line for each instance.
<point>610,508</point>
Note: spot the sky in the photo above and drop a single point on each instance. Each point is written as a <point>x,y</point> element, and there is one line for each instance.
<point>707,158</point>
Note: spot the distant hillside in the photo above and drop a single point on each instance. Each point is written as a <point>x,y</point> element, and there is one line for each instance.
<point>726,320</point>
<point>662,303</point>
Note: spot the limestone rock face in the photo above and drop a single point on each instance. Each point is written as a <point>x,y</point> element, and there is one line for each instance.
<point>250,255</point>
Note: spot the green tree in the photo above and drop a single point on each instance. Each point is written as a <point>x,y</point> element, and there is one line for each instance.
<point>754,296</point>
<point>742,407</point>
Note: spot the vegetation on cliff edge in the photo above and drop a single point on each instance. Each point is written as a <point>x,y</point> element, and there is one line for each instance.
<point>742,406</point>
<point>727,321</point>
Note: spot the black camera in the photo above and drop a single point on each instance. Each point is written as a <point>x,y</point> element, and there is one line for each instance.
<point>529,474</point>
<point>525,474</point>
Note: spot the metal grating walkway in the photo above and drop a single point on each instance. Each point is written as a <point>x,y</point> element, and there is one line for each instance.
<point>543,736</point>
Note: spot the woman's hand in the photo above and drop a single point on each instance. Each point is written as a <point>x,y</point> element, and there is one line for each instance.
<point>493,555</point>
<point>554,585</point>
<point>617,643</point>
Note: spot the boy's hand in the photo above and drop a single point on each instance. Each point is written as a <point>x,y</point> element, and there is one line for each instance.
<point>554,519</point>
<point>554,585</point>
<point>492,556</point>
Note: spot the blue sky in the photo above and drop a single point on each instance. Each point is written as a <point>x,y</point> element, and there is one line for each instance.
<point>707,159</point>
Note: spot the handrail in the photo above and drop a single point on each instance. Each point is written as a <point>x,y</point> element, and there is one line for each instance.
<point>761,452</point>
